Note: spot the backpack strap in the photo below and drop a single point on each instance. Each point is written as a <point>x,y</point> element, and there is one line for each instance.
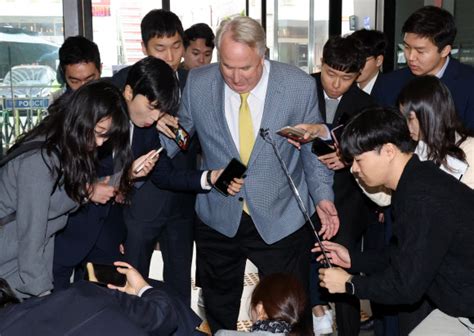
<point>20,150</point>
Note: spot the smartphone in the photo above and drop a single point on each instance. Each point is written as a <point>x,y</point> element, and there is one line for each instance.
<point>150,157</point>
<point>336,133</point>
<point>181,137</point>
<point>321,147</point>
<point>296,134</point>
<point>104,274</point>
<point>234,169</point>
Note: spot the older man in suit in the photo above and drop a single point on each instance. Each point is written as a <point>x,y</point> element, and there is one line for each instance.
<point>227,104</point>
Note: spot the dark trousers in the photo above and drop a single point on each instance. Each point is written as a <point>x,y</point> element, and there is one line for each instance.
<point>175,234</point>
<point>221,265</point>
<point>105,250</point>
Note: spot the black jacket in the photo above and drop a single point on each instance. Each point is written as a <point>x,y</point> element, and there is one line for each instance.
<point>87,309</point>
<point>434,229</point>
<point>353,207</point>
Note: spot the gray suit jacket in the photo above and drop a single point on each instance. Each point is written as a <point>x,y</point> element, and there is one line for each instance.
<point>27,244</point>
<point>290,100</point>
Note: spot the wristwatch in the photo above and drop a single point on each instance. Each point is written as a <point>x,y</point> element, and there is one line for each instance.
<point>350,288</point>
<point>208,178</point>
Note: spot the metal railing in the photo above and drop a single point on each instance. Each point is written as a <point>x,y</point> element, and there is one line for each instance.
<point>15,120</point>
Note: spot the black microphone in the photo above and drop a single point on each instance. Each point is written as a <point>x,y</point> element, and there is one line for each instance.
<point>265,134</point>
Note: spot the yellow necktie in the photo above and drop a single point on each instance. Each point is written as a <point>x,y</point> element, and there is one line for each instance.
<point>246,135</point>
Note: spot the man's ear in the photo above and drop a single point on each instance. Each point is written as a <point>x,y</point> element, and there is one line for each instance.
<point>379,61</point>
<point>145,52</point>
<point>389,150</point>
<point>128,93</point>
<point>446,51</point>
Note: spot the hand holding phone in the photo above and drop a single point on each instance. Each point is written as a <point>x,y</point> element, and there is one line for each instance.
<point>296,134</point>
<point>151,156</point>
<point>235,169</point>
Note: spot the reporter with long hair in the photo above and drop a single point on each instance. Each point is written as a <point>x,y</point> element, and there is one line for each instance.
<point>278,306</point>
<point>39,187</point>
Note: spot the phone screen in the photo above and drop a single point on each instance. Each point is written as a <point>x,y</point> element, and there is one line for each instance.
<point>181,137</point>
<point>320,147</point>
<point>234,169</point>
<point>104,274</point>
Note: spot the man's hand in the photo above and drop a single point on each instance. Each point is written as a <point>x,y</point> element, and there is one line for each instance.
<point>102,192</point>
<point>234,186</point>
<point>332,161</point>
<point>334,279</point>
<point>148,160</point>
<point>311,130</point>
<point>165,122</point>
<point>327,214</point>
<point>135,281</point>
<point>337,254</point>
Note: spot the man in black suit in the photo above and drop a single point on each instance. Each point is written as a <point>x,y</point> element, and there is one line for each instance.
<point>87,309</point>
<point>92,233</point>
<point>172,224</point>
<point>374,44</point>
<point>432,254</point>
<point>340,99</point>
<point>428,38</point>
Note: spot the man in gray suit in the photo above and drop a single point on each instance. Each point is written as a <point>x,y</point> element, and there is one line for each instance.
<point>227,104</point>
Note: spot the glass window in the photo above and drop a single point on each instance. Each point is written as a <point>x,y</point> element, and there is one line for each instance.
<point>31,33</point>
<point>357,14</point>
<point>255,10</point>
<point>211,12</point>
<point>116,29</point>
<point>297,31</point>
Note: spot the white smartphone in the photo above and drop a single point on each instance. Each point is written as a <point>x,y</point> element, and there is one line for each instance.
<point>150,157</point>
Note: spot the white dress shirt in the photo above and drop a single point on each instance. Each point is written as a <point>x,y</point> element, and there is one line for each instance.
<point>255,100</point>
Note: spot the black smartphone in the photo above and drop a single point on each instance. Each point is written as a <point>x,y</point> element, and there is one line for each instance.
<point>104,274</point>
<point>234,169</point>
<point>181,137</point>
<point>321,147</point>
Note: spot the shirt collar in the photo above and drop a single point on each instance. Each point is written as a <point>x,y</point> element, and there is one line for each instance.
<point>443,69</point>
<point>327,97</point>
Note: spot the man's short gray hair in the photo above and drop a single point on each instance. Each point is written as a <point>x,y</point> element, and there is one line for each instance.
<point>243,30</point>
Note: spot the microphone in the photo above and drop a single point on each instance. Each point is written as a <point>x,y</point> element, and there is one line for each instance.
<point>265,134</point>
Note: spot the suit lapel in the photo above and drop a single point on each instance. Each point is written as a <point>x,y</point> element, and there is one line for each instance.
<point>218,105</point>
<point>320,93</point>
<point>344,104</point>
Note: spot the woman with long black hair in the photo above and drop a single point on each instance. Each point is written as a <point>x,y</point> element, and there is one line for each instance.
<point>40,186</point>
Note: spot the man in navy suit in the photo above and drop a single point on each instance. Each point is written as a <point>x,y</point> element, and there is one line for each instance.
<point>172,224</point>
<point>87,309</point>
<point>374,44</point>
<point>79,63</point>
<point>429,35</point>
